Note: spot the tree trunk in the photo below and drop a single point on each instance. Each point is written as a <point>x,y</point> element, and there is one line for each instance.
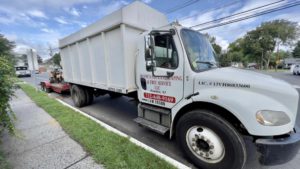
<point>277,58</point>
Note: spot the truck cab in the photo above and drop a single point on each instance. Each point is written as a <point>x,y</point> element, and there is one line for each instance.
<point>183,93</point>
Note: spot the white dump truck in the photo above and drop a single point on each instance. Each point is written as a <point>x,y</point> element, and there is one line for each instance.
<point>172,71</point>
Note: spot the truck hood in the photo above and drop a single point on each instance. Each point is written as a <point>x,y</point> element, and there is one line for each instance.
<point>241,79</point>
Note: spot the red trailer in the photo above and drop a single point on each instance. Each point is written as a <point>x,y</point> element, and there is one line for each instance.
<point>56,82</point>
<point>56,87</point>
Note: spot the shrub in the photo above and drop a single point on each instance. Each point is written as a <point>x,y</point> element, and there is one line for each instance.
<point>7,75</point>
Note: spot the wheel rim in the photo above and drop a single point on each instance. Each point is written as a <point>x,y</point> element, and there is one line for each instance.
<point>205,144</point>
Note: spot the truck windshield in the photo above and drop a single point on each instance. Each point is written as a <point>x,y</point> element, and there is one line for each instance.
<point>198,49</point>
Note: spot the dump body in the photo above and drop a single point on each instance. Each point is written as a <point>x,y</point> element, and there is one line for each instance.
<point>103,54</point>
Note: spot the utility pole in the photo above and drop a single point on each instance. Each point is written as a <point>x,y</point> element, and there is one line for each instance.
<point>50,51</point>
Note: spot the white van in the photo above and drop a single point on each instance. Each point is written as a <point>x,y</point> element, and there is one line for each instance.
<point>22,71</point>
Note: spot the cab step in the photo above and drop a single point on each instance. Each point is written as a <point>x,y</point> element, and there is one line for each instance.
<point>152,126</point>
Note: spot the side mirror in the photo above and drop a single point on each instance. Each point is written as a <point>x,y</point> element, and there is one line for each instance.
<point>150,65</point>
<point>149,53</point>
<point>148,48</point>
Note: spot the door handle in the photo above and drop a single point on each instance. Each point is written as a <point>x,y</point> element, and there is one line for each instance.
<point>170,74</point>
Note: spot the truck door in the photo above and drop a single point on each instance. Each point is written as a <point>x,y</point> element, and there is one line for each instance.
<point>162,78</point>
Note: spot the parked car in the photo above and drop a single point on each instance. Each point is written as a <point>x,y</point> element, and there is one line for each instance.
<point>296,69</point>
<point>22,71</point>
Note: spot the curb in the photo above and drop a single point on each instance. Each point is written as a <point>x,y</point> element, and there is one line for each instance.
<point>133,140</point>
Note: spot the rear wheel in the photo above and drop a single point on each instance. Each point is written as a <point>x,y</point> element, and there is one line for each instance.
<point>78,96</point>
<point>210,141</point>
<point>89,96</point>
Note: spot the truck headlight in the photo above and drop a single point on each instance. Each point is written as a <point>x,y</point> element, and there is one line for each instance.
<point>272,118</point>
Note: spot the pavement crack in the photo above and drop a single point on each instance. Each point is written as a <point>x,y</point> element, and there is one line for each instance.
<point>84,157</point>
<point>42,145</point>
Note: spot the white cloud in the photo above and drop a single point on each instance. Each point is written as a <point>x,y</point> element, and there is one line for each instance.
<point>61,20</point>
<point>47,30</point>
<point>21,48</point>
<point>72,11</point>
<point>37,13</point>
<point>198,19</point>
<point>222,42</point>
<point>38,4</point>
<point>147,1</point>
<point>115,5</point>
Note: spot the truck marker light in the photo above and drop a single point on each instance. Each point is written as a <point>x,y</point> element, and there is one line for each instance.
<point>214,97</point>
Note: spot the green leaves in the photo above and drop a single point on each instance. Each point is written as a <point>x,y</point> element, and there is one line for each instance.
<point>7,79</point>
<point>296,51</point>
<point>259,44</point>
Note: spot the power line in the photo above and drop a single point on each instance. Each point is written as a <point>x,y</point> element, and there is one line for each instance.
<point>180,6</point>
<point>210,10</point>
<point>252,16</point>
<point>236,14</point>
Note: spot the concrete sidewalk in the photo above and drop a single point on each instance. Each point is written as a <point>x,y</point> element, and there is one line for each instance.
<point>42,142</point>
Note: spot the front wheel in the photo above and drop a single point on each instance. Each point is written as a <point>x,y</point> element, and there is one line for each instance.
<point>210,141</point>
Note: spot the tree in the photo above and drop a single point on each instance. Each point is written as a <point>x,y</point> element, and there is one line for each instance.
<point>56,59</point>
<point>259,44</point>
<point>296,51</point>
<point>5,46</point>
<point>212,40</point>
<point>39,59</point>
<point>6,84</point>
<point>284,32</point>
<point>236,51</point>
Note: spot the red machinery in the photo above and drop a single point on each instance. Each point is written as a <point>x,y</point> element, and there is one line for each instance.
<point>56,83</point>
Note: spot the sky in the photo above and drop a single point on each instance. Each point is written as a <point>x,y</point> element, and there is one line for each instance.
<point>39,24</point>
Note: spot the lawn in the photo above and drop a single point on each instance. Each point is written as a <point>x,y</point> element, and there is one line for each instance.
<point>107,148</point>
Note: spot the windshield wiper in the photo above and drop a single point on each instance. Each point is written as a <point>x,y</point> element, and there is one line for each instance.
<point>208,63</point>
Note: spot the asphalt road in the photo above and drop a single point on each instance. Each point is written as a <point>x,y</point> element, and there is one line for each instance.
<point>120,113</point>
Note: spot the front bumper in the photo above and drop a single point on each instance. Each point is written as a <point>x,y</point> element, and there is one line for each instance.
<point>278,150</point>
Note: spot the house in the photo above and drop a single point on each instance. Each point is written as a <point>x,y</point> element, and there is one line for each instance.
<point>288,62</point>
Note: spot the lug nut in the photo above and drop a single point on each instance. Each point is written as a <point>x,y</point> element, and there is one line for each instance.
<point>211,147</point>
<point>211,152</point>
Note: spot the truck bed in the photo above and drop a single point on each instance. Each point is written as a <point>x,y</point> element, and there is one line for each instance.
<point>103,54</point>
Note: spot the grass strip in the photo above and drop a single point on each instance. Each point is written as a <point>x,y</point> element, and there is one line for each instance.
<point>107,148</point>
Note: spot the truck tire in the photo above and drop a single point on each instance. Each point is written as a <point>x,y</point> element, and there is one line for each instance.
<point>44,88</point>
<point>210,141</point>
<point>78,96</point>
<point>89,96</point>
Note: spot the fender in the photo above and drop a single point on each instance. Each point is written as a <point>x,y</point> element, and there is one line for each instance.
<point>243,104</point>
